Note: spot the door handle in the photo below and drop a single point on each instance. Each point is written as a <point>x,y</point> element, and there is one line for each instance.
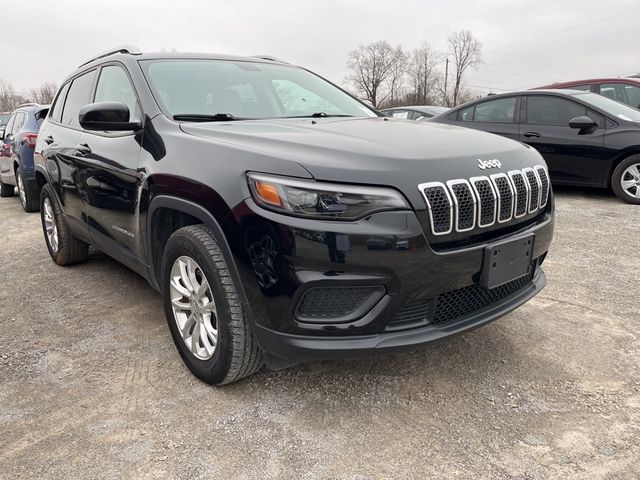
<point>83,149</point>
<point>532,134</point>
<point>48,140</point>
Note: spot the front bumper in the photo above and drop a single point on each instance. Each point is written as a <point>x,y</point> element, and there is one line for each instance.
<point>281,259</point>
<point>299,348</point>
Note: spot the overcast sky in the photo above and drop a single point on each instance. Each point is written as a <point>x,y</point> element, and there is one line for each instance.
<point>525,43</point>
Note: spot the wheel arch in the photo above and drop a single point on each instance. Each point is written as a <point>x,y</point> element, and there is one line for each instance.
<point>619,159</point>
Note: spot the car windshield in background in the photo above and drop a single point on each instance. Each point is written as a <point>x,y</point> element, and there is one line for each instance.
<point>4,118</point>
<point>612,107</point>
<point>219,90</point>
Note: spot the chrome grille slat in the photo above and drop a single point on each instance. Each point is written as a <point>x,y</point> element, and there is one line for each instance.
<point>487,200</point>
<point>534,188</point>
<point>544,182</point>
<point>506,196</point>
<point>440,206</point>
<point>463,205</point>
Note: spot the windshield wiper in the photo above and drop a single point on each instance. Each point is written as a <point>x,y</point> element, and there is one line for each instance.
<point>321,115</point>
<point>203,117</point>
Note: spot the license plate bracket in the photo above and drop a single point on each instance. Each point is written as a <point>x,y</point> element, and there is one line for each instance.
<point>506,261</point>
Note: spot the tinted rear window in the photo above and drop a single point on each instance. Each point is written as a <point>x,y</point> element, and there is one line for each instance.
<point>79,95</point>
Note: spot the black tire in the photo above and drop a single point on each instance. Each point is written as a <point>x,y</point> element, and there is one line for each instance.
<point>69,250</point>
<point>619,176</point>
<point>236,354</point>
<point>6,190</point>
<point>27,191</point>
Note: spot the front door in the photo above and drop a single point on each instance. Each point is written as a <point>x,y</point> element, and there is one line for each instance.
<point>573,156</point>
<point>108,176</point>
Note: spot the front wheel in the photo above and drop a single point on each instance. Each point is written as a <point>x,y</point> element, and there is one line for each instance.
<point>626,180</point>
<point>203,310</point>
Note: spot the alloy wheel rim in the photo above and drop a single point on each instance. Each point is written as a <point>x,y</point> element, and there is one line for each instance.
<point>630,180</point>
<point>23,196</point>
<point>194,308</point>
<point>50,227</point>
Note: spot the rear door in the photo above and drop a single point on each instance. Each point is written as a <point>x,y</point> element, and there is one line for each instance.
<point>61,139</point>
<point>108,175</point>
<point>499,116</point>
<point>573,157</point>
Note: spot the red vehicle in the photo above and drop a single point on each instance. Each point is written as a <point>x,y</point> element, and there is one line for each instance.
<point>625,90</point>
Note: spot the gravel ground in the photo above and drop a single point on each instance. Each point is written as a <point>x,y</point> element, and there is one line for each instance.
<point>92,386</point>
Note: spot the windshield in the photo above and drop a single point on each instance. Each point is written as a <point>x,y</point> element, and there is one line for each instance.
<point>4,118</point>
<point>245,90</point>
<point>612,107</point>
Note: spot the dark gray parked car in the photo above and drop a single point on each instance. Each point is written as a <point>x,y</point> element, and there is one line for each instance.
<point>586,139</point>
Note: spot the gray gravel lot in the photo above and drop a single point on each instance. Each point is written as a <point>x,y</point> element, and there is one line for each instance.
<point>91,385</point>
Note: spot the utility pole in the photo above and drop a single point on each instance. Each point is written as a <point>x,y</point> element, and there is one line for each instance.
<point>446,78</point>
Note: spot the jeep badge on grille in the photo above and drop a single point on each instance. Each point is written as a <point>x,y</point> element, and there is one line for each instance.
<point>484,164</point>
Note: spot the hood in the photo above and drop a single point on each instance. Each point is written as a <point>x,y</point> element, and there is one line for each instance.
<point>378,151</point>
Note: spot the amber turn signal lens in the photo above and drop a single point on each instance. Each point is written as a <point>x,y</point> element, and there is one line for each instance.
<point>268,193</point>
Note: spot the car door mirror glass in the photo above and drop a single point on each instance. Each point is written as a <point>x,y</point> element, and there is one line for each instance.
<point>106,116</point>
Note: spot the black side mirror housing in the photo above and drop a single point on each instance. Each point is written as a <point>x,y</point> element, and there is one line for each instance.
<point>2,134</point>
<point>584,124</point>
<point>106,116</point>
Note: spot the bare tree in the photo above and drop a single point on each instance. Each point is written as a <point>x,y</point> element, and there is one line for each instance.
<point>374,70</point>
<point>44,93</point>
<point>397,80</point>
<point>467,52</point>
<point>8,98</point>
<point>423,75</point>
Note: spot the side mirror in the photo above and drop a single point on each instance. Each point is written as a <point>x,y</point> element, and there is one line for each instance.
<point>103,116</point>
<point>584,124</point>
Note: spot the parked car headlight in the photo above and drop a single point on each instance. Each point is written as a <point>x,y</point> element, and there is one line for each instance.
<point>328,201</point>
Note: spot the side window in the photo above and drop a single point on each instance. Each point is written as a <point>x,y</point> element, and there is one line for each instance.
<point>79,95</point>
<point>466,115</point>
<point>501,110</point>
<point>584,88</point>
<point>19,122</point>
<point>10,123</point>
<point>114,86</point>
<point>629,94</point>
<point>552,110</point>
<point>415,115</point>
<point>56,111</point>
<point>403,114</point>
<point>297,100</point>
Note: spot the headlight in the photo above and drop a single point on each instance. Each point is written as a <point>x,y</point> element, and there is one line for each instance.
<point>328,201</point>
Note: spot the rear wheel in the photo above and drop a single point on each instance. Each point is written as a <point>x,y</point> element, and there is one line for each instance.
<point>626,180</point>
<point>6,190</point>
<point>28,194</point>
<point>203,310</point>
<point>64,248</point>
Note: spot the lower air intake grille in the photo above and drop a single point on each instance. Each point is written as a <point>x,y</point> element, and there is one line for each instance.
<point>336,304</point>
<point>453,306</point>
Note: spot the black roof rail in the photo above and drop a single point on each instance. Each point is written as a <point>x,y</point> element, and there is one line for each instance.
<point>127,49</point>
<point>270,58</point>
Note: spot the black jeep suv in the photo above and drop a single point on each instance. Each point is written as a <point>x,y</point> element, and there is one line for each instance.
<point>282,219</point>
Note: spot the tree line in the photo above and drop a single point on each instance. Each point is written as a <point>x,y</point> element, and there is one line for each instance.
<point>388,76</point>
<point>10,99</point>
